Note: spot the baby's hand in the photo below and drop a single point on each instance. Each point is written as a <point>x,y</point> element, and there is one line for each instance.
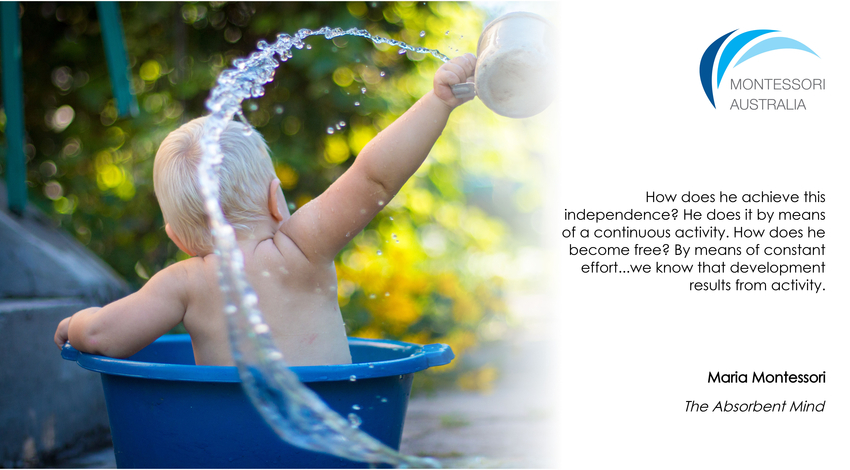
<point>62,333</point>
<point>458,70</point>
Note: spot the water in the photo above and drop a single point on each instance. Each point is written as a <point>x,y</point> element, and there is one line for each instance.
<point>296,414</point>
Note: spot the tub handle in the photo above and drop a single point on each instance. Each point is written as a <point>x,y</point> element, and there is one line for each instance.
<point>463,91</point>
<point>69,353</point>
<point>438,354</point>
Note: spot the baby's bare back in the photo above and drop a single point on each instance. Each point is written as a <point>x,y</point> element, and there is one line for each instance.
<point>298,300</point>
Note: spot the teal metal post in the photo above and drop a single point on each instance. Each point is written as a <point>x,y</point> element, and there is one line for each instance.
<point>13,104</point>
<point>116,57</point>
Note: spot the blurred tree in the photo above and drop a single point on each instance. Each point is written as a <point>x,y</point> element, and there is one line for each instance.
<point>429,268</point>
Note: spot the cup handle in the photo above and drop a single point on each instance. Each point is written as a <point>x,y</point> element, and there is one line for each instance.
<point>463,91</point>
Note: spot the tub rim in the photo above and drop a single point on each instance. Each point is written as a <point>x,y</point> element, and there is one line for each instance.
<point>420,358</point>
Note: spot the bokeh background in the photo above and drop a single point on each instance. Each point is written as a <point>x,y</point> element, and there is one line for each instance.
<point>451,257</point>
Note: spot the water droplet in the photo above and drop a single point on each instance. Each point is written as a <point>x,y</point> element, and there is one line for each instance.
<point>380,203</point>
<point>383,400</point>
<point>380,253</point>
<point>308,46</point>
<point>371,296</point>
<point>330,130</point>
<point>356,103</point>
<point>371,366</point>
<point>353,378</point>
<point>386,294</point>
<point>265,274</point>
<point>341,124</point>
<point>355,407</point>
<point>274,356</point>
<point>291,206</point>
<point>391,218</point>
<point>447,33</point>
<point>253,107</point>
<point>421,34</point>
<point>347,234</point>
<point>261,328</point>
<point>278,109</point>
<point>363,90</point>
<point>402,52</point>
<point>230,309</point>
<point>354,420</point>
<point>383,74</point>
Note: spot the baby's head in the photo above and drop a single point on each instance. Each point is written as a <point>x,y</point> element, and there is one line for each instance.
<point>245,175</point>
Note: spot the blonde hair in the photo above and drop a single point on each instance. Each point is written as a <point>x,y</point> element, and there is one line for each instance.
<point>244,176</point>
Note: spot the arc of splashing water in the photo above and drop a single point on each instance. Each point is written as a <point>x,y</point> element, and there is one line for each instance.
<point>296,413</point>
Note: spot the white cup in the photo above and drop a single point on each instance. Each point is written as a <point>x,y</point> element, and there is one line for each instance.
<point>515,68</point>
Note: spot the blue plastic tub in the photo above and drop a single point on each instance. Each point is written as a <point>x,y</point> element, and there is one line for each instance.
<point>165,411</point>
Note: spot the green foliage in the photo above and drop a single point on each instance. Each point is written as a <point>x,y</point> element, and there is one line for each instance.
<point>445,241</point>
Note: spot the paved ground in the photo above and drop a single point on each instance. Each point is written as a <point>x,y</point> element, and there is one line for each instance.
<point>509,427</point>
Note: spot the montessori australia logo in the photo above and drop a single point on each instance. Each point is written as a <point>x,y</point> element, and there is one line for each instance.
<point>753,43</point>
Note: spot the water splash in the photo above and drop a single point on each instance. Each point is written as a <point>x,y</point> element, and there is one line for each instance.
<point>296,413</point>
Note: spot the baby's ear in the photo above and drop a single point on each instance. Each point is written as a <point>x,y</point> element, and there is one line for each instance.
<point>176,240</point>
<point>275,200</point>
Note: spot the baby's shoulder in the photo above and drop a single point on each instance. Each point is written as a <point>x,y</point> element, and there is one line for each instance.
<point>285,248</point>
<point>183,274</point>
<point>281,254</point>
<point>196,277</point>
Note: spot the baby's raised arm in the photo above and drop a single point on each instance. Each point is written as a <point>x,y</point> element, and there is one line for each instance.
<point>125,326</point>
<point>324,226</point>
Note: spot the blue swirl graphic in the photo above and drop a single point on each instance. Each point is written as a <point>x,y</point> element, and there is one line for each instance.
<point>735,45</point>
<point>706,64</point>
<point>772,44</point>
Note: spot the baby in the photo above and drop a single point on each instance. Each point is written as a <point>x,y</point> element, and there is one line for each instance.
<point>289,259</point>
